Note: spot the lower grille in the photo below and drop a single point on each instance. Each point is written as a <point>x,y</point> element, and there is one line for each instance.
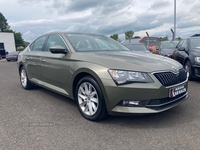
<point>158,104</point>
<point>170,78</point>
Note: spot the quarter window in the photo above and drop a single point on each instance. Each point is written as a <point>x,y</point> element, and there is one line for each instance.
<point>38,44</point>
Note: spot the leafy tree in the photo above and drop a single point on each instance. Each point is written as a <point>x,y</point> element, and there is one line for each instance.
<point>163,38</point>
<point>136,37</point>
<point>3,23</point>
<point>129,35</point>
<point>4,27</point>
<point>114,36</point>
<point>20,48</point>
<point>178,38</point>
<point>18,39</point>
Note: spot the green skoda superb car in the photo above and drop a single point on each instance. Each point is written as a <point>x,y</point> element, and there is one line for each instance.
<point>101,75</point>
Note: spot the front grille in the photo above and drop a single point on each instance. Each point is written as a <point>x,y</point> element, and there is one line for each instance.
<point>170,78</point>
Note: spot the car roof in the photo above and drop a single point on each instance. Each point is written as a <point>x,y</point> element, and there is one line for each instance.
<point>68,32</point>
<point>196,37</point>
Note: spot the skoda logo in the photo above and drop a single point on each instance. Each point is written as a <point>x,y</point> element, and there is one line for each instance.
<point>175,70</point>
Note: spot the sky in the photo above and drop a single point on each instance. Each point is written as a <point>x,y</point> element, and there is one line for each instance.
<point>106,17</point>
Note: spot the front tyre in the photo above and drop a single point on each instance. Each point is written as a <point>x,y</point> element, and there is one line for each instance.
<point>90,100</point>
<point>26,84</point>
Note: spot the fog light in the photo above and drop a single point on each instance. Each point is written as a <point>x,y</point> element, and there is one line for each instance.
<point>130,102</point>
<point>133,103</point>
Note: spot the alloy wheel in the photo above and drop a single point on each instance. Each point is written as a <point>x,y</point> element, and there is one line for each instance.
<point>23,78</point>
<point>88,99</point>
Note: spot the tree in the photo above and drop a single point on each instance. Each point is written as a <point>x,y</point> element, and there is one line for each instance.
<point>129,35</point>
<point>3,23</point>
<point>4,27</point>
<point>163,38</point>
<point>178,38</point>
<point>136,37</point>
<point>114,36</point>
<point>18,39</point>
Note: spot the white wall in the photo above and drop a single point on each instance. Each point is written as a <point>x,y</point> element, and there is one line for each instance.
<point>8,40</point>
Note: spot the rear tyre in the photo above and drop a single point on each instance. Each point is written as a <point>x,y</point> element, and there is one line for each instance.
<point>90,100</point>
<point>26,84</point>
<point>189,70</point>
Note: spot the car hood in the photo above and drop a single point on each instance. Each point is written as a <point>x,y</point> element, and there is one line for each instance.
<point>127,60</point>
<point>167,51</point>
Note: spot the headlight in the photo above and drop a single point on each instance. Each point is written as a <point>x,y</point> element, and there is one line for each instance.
<point>197,59</point>
<point>122,77</point>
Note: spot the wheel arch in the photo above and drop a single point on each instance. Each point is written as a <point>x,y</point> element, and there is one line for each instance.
<point>87,72</point>
<point>20,66</point>
<point>185,61</point>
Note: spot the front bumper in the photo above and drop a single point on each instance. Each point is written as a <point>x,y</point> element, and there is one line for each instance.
<point>151,108</point>
<point>196,70</point>
<point>153,96</point>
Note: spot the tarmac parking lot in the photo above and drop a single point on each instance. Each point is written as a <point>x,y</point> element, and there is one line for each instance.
<point>39,119</point>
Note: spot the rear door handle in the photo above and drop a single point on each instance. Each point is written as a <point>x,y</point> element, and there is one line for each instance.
<point>43,60</point>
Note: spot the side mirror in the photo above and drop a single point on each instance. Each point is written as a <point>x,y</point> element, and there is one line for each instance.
<point>57,49</point>
<point>181,48</point>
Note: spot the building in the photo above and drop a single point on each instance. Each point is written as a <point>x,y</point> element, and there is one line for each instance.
<point>7,41</point>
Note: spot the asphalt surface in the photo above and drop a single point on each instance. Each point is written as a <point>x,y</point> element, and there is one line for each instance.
<point>39,119</point>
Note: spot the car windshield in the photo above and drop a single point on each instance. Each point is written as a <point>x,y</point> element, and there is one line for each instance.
<point>136,47</point>
<point>195,43</point>
<point>169,44</point>
<point>90,42</point>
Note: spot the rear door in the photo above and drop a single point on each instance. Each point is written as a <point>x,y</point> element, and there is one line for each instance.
<point>33,59</point>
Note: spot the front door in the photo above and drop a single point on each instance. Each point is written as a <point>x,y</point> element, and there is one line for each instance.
<point>55,67</point>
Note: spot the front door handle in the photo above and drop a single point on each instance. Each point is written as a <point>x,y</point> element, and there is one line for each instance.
<point>43,60</point>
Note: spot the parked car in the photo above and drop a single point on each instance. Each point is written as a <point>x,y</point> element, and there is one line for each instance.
<point>2,53</point>
<point>152,44</point>
<point>154,49</point>
<point>188,54</point>
<point>137,47</point>
<point>139,44</point>
<point>167,48</point>
<point>101,75</point>
<point>12,56</point>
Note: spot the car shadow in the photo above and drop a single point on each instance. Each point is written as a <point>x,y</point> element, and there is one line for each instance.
<point>170,118</point>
